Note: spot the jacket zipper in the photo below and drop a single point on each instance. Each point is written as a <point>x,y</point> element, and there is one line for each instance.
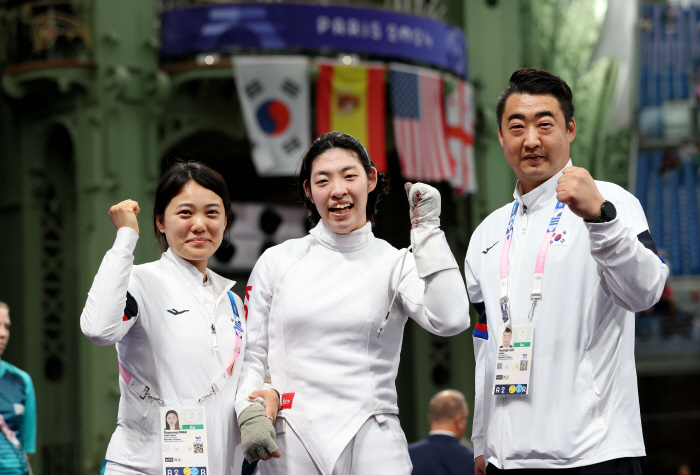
<point>516,268</point>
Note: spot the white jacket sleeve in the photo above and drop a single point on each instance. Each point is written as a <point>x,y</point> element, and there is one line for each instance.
<point>627,257</point>
<point>480,336</point>
<point>439,305</point>
<point>112,305</point>
<point>257,310</point>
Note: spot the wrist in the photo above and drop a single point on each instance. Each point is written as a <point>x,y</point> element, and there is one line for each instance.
<point>607,213</point>
<point>279,399</point>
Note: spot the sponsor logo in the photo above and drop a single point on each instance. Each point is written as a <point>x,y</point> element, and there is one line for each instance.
<point>489,248</point>
<point>177,312</point>
<point>287,399</point>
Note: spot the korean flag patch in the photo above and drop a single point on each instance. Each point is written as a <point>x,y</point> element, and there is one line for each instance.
<point>560,238</point>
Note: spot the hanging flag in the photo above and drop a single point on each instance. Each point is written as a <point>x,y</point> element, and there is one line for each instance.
<point>351,99</point>
<point>459,119</point>
<point>419,128</point>
<point>274,96</point>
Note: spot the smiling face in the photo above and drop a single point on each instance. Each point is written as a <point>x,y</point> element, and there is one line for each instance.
<point>535,138</point>
<point>338,187</point>
<point>4,329</point>
<point>171,419</point>
<point>193,223</point>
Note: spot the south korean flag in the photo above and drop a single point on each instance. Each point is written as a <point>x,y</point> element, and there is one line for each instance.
<point>274,96</point>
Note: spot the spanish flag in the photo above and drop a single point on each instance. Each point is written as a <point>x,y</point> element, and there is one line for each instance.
<point>351,99</point>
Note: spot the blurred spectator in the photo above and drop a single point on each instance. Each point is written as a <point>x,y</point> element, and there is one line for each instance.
<point>441,453</point>
<point>684,470</point>
<point>17,409</point>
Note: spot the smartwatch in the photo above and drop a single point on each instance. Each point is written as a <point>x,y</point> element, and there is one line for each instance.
<point>607,213</point>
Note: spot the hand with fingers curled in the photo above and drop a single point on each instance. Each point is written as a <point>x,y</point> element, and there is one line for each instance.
<point>272,401</point>
<point>123,215</point>
<point>424,201</point>
<point>577,190</point>
<point>257,434</point>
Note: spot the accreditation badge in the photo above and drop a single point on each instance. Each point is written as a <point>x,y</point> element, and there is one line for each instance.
<point>514,360</point>
<point>184,440</point>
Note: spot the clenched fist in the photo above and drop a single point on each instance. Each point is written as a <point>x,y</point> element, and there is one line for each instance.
<point>424,201</point>
<point>124,215</point>
<point>577,190</point>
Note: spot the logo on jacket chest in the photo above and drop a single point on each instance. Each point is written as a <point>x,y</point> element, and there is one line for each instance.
<point>176,312</point>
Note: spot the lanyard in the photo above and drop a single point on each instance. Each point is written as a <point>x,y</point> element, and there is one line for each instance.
<point>536,294</point>
<point>236,352</point>
<point>144,391</point>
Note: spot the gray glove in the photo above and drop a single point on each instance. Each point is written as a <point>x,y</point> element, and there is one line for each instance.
<point>257,433</point>
<point>424,201</point>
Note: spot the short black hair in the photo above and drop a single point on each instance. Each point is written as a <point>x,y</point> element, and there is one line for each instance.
<point>328,141</point>
<point>507,330</point>
<point>537,82</point>
<point>174,180</point>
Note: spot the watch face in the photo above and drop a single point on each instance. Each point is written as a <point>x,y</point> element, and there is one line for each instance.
<point>608,211</point>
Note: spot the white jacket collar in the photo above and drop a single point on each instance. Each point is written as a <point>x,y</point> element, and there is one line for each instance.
<point>352,241</point>
<point>191,275</point>
<point>542,195</point>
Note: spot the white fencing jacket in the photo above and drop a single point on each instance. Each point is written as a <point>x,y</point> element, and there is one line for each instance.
<point>583,405</point>
<point>163,338</point>
<point>314,306</point>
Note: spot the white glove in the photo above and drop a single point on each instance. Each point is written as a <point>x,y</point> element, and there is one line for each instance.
<point>424,201</point>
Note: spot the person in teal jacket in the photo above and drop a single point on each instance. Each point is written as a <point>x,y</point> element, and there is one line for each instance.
<point>17,408</point>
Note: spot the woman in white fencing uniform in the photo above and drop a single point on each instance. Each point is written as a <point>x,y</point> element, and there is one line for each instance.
<point>317,316</point>
<point>177,327</point>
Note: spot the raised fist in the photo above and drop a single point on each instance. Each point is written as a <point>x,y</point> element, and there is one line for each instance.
<point>577,189</point>
<point>124,215</point>
<point>424,201</point>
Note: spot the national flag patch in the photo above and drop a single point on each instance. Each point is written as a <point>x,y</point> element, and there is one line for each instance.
<point>481,328</point>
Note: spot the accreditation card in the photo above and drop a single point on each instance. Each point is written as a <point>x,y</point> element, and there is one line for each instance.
<point>184,440</point>
<point>514,360</point>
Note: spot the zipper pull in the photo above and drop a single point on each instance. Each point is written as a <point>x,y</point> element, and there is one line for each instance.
<point>213,338</point>
<point>524,227</point>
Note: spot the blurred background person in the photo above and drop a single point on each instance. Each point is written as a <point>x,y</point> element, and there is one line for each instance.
<point>441,453</point>
<point>17,409</point>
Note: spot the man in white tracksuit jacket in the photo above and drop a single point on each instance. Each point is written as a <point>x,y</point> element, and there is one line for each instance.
<point>581,411</point>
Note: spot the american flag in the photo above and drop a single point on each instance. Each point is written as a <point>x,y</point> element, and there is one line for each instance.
<point>419,127</point>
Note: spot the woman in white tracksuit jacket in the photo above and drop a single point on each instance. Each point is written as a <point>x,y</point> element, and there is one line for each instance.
<point>173,322</point>
<point>314,308</point>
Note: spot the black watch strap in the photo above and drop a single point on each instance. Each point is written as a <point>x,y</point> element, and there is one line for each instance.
<point>607,213</point>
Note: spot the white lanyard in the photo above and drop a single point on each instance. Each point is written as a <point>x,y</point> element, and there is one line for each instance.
<point>539,266</point>
<point>210,305</point>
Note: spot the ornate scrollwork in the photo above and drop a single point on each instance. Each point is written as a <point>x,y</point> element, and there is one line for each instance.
<point>48,26</point>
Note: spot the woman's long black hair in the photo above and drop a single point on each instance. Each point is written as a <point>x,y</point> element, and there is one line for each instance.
<point>329,141</point>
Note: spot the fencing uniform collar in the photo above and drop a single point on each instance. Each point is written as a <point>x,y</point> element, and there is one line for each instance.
<point>352,241</point>
<point>541,196</point>
<point>191,275</point>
